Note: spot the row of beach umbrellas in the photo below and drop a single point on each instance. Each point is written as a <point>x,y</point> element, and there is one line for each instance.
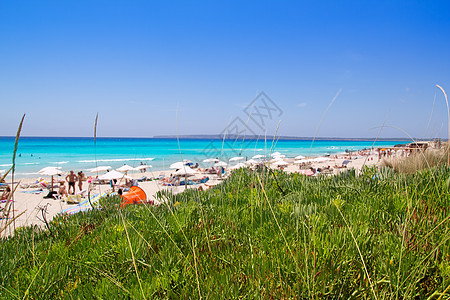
<point>277,159</point>
<point>113,174</point>
<point>183,167</point>
<point>277,156</point>
<point>124,168</point>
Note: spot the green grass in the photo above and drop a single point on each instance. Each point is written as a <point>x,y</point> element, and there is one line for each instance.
<point>257,235</point>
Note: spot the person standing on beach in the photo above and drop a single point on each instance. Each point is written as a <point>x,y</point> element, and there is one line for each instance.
<point>142,170</point>
<point>71,179</point>
<point>81,178</point>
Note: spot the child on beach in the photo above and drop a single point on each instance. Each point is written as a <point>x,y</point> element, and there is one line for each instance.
<point>62,189</point>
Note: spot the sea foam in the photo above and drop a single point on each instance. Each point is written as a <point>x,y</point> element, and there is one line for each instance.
<point>114,159</point>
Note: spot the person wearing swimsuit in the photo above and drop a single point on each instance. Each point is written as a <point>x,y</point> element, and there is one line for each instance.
<point>81,178</point>
<point>71,179</point>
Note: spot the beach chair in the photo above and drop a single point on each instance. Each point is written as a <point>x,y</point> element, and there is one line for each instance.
<point>174,182</point>
<point>3,187</point>
<point>142,179</point>
<point>82,193</point>
<point>24,186</point>
<point>83,206</point>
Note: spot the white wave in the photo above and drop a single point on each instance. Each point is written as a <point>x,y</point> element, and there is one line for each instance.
<point>25,173</point>
<point>6,165</point>
<point>32,163</point>
<point>59,162</point>
<point>114,159</point>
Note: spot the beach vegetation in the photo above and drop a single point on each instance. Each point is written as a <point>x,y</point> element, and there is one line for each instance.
<point>259,234</point>
<point>419,160</point>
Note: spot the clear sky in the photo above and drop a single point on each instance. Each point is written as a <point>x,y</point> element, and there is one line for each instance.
<point>190,67</point>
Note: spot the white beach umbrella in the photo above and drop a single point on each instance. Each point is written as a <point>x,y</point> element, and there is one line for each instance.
<point>220,164</point>
<point>280,163</point>
<point>177,165</point>
<point>258,156</point>
<point>125,168</point>
<point>100,169</point>
<point>299,157</point>
<point>274,159</point>
<point>279,156</point>
<point>50,171</point>
<point>185,171</point>
<point>210,160</point>
<point>236,158</point>
<point>300,161</point>
<point>140,167</point>
<point>251,161</point>
<point>276,153</point>
<point>238,166</point>
<point>43,170</point>
<point>320,159</point>
<point>310,160</point>
<point>113,175</point>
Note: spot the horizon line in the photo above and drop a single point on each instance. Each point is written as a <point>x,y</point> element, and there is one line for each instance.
<point>220,137</point>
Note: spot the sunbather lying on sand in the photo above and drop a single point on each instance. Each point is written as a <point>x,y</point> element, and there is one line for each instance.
<point>171,181</point>
<point>6,193</point>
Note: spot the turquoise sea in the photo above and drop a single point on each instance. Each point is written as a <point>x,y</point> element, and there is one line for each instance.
<point>35,153</point>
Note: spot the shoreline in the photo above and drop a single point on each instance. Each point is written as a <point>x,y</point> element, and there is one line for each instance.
<point>66,167</point>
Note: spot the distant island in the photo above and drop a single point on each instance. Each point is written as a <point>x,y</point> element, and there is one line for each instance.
<point>259,137</point>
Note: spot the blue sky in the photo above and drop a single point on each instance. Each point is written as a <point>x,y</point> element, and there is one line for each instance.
<point>190,67</point>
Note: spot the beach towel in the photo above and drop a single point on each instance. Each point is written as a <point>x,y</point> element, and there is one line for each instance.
<point>204,180</point>
<point>84,205</point>
<point>33,192</point>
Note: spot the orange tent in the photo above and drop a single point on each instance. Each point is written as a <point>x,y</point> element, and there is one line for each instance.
<point>135,195</point>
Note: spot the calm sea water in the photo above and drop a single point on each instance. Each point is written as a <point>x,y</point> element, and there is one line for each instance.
<point>78,154</point>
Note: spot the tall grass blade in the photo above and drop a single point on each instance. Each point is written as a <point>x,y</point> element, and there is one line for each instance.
<point>132,254</point>
<point>196,270</point>
<point>95,157</point>
<point>448,119</point>
<point>10,204</point>
<point>359,250</point>
<point>34,278</point>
